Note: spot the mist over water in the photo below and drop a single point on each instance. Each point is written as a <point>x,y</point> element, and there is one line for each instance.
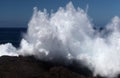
<point>68,33</point>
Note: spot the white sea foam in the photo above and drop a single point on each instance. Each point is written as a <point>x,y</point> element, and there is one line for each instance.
<point>68,33</point>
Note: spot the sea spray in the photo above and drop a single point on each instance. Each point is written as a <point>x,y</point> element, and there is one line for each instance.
<point>69,34</point>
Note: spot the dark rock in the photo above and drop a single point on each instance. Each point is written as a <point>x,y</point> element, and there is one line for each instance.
<point>29,67</point>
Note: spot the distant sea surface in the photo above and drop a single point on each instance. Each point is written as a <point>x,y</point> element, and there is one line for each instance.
<point>12,35</point>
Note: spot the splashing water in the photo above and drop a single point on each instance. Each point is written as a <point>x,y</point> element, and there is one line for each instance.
<point>69,33</point>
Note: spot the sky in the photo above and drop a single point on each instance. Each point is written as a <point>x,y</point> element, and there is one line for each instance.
<point>17,13</point>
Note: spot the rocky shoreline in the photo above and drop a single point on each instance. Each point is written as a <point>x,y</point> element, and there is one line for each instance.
<point>29,67</point>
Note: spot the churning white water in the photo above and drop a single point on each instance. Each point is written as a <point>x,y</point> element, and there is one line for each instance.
<point>68,33</point>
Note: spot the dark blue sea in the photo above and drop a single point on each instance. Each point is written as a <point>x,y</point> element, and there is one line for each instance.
<point>12,35</point>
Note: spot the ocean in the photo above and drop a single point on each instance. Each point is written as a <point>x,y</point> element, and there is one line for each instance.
<point>11,35</point>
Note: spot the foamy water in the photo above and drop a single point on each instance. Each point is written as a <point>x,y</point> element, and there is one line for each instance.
<point>68,33</point>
